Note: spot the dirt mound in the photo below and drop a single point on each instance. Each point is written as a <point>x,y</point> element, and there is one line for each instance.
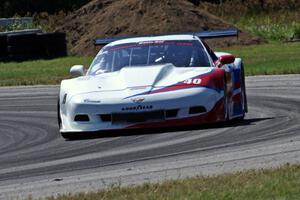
<point>107,18</point>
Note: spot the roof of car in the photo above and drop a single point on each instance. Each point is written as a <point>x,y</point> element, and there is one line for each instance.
<point>153,38</point>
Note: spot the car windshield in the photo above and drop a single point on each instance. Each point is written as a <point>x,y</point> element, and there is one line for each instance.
<point>185,53</point>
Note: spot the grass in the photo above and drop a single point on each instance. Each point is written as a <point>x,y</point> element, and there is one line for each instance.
<point>269,59</point>
<point>38,72</point>
<point>272,184</point>
<point>273,58</point>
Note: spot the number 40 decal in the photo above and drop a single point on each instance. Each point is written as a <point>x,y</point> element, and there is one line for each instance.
<point>194,81</point>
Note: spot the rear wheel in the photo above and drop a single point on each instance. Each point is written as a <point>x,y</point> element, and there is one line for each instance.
<point>243,95</point>
<point>243,87</point>
<point>226,111</point>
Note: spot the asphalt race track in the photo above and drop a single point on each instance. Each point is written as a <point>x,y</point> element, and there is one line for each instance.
<point>35,160</point>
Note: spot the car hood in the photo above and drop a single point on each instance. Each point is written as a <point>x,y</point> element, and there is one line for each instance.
<point>134,79</point>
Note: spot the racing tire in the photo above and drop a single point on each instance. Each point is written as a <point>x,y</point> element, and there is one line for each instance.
<point>67,136</point>
<point>3,47</point>
<point>3,43</point>
<point>54,45</point>
<point>22,39</point>
<point>58,113</point>
<point>243,93</point>
<point>226,111</point>
<point>72,136</point>
<point>28,50</point>
<point>243,87</point>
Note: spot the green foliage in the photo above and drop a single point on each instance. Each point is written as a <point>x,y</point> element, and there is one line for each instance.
<point>274,20</point>
<point>296,30</point>
<point>18,25</point>
<point>282,183</point>
<point>271,28</point>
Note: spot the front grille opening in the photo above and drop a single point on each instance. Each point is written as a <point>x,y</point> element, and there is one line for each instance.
<point>105,117</point>
<point>197,110</point>
<point>171,113</point>
<point>82,118</point>
<point>138,117</point>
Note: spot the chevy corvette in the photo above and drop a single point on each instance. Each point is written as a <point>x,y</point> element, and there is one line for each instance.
<point>152,82</point>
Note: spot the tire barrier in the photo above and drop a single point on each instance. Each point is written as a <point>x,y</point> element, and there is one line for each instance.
<point>3,47</point>
<point>20,46</point>
<point>53,44</point>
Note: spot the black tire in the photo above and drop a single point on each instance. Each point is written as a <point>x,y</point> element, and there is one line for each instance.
<point>54,44</point>
<point>58,113</point>
<point>3,43</point>
<point>72,136</point>
<point>23,47</point>
<point>24,50</point>
<point>244,97</point>
<point>243,87</point>
<point>20,57</point>
<point>22,39</point>
<point>226,111</point>
<point>3,47</point>
<point>67,136</point>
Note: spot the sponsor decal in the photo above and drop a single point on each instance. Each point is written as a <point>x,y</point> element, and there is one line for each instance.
<point>137,108</point>
<point>138,100</point>
<point>91,101</point>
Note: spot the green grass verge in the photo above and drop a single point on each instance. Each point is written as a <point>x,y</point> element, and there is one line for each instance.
<point>38,72</point>
<point>269,59</point>
<point>273,58</point>
<point>276,184</point>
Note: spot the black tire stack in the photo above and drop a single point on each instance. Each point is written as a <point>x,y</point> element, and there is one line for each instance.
<point>53,44</point>
<point>23,47</point>
<point>29,46</point>
<point>3,47</point>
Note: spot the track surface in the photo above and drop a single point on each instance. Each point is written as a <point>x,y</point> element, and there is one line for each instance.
<point>35,160</point>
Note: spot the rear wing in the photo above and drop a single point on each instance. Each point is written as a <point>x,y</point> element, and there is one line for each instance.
<point>202,35</point>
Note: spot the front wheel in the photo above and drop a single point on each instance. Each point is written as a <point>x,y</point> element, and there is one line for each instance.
<point>69,136</point>
<point>58,114</point>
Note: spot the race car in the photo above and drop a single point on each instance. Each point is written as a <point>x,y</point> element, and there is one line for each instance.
<point>152,82</point>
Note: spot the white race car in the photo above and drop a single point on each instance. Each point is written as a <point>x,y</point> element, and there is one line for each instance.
<point>153,82</point>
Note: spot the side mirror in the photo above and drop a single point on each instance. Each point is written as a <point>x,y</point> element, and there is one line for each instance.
<point>226,59</point>
<point>77,70</point>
